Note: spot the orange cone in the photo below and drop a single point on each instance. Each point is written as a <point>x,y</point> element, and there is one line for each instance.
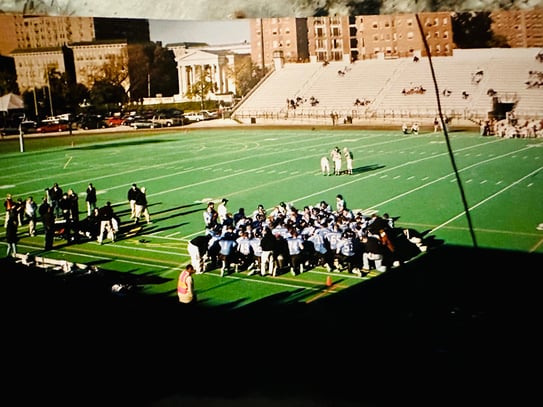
<point>328,281</point>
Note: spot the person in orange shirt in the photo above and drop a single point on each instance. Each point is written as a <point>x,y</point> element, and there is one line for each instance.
<point>185,286</point>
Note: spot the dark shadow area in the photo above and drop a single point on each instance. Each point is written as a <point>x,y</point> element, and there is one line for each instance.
<point>366,168</point>
<point>133,142</point>
<point>456,326</point>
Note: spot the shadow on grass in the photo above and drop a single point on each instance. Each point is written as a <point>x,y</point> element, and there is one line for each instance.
<point>449,324</point>
<point>133,142</point>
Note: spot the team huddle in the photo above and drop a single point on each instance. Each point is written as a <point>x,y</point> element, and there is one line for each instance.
<point>274,242</point>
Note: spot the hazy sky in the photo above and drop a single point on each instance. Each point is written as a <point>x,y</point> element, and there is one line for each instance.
<point>211,32</point>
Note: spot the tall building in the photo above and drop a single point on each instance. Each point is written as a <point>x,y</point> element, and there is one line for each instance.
<point>18,31</point>
<point>521,28</point>
<point>348,38</point>
<point>78,46</point>
<point>91,57</point>
<point>398,36</point>
<point>286,37</point>
<point>329,38</point>
<point>33,65</point>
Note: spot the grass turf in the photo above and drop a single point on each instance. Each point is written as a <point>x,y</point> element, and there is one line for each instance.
<point>409,177</point>
<point>447,326</point>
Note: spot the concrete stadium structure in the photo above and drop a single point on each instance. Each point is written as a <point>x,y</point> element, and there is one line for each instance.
<point>473,85</point>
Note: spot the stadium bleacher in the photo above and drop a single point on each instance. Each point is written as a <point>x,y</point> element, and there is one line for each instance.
<point>463,93</point>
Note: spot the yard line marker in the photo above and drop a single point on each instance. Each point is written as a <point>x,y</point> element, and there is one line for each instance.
<point>68,162</point>
<point>486,199</point>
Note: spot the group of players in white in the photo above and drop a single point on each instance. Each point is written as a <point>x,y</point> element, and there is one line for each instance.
<point>337,157</point>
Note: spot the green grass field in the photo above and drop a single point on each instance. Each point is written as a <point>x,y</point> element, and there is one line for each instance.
<point>410,177</point>
<point>440,329</point>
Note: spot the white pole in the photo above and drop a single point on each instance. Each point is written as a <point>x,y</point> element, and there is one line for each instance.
<point>21,141</point>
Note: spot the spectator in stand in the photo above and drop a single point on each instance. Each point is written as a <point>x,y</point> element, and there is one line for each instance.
<point>185,286</point>
<point>90,199</point>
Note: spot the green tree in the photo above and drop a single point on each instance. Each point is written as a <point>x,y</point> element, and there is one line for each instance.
<point>247,77</point>
<point>164,72</point>
<point>153,70</point>
<point>66,96</point>
<point>107,94</point>
<point>201,88</point>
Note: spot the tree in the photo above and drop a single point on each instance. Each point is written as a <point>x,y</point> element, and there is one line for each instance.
<point>472,29</point>
<point>153,70</point>
<point>247,77</point>
<point>65,94</point>
<point>164,72</point>
<point>8,83</point>
<point>105,93</point>
<point>202,87</point>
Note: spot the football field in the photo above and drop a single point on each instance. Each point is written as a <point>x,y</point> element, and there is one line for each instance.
<point>410,177</point>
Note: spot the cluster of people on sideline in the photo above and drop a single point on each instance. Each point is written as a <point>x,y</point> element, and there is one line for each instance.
<point>413,129</point>
<point>337,156</point>
<point>286,239</point>
<point>59,214</point>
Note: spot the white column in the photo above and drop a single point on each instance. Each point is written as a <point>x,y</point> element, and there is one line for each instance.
<point>181,79</point>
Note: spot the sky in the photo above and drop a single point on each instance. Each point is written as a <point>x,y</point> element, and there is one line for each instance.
<point>212,32</point>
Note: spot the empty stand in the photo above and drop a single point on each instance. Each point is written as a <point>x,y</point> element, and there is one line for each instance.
<point>463,80</point>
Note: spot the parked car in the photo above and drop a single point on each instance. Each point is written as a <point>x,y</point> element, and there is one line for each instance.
<point>144,124</point>
<point>27,126</point>
<point>195,116</point>
<point>49,126</point>
<point>166,121</point>
<point>88,122</point>
<point>209,115</point>
<point>114,121</point>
